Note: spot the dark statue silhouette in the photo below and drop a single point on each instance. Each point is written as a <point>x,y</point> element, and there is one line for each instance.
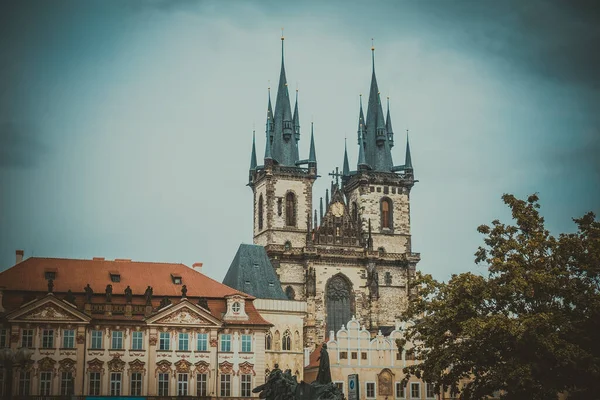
<point>284,386</point>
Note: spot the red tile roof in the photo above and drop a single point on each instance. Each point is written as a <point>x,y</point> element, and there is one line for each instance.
<point>75,274</point>
<point>313,360</point>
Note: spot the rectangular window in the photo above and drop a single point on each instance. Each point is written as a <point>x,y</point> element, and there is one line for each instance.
<point>246,343</point>
<point>163,384</point>
<point>45,382</point>
<point>201,380</point>
<point>164,342</point>
<point>370,390</point>
<point>415,390</point>
<point>363,355</point>
<point>182,384</point>
<point>183,342</point>
<point>117,340</point>
<point>226,342</point>
<point>68,339</point>
<point>354,355</point>
<point>48,338</point>
<point>115,383</point>
<point>340,385</point>
<point>3,340</point>
<point>136,384</point>
<point>1,381</point>
<point>94,383</point>
<point>246,385</point>
<point>50,275</point>
<point>66,384</point>
<point>410,355</point>
<point>27,338</point>
<point>225,385</point>
<point>96,340</point>
<point>202,342</point>
<point>400,391</point>
<point>137,340</point>
<point>399,355</point>
<point>343,355</point>
<point>24,383</point>
<point>429,392</point>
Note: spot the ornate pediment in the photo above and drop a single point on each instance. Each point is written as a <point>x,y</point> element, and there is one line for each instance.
<point>48,312</point>
<point>116,364</point>
<point>46,364</point>
<point>226,367</point>
<point>137,366</point>
<point>48,309</point>
<point>95,365</point>
<point>246,369</point>
<point>202,367</point>
<point>67,365</point>
<point>163,366</point>
<point>184,316</point>
<point>183,366</point>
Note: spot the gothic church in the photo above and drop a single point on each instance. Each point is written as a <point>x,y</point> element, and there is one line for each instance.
<point>352,257</point>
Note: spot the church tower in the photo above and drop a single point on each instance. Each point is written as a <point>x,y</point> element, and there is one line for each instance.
<point>282,186</point>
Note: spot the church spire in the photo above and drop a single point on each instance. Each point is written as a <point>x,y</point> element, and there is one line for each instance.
<point>269,127</point>
<point>296,123</point>
<point>346,167</point>
<point>284,144</point>
<point>312,156</point>
<point>253,155</point>
<point>408,160</point>
<point>388,125</point>
<point>362,163</point>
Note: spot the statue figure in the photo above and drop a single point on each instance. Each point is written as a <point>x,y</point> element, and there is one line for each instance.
<point>109,293</point>
<point>164,302</point>
<point>184,291</point>
<point>324,374</point>
<point>50,285</point>
<point>128,294</point>
<point>202,302</point>
<point>88,293</point>
<point>70,297</point>
<point>148,295</point>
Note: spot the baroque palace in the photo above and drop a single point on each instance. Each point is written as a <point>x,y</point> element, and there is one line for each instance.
<point>338,274</point>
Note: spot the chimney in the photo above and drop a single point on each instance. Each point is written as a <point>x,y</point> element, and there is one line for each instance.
<point>197,267</point>
<point>20,254</point>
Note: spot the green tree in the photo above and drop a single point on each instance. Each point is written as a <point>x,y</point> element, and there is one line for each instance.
<point>530,329</point>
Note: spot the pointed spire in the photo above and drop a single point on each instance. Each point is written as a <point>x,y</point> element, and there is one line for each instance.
<point>253,155</point>
<point>388,125</point>
<point>361,123</point>
<point>312,156</point>
<point>284,145</point>
<point>346,167</point>
<point>321,209</point>
<point>296,123</point>
<point>362,163</point>
<point>316,224</point>
<point>270,122</point>
<point>408,159</point>
<point>326,200</point>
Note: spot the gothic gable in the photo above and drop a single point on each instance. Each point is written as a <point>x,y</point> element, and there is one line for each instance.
<point>48,309</point>
<point>183,313</point>
<point>337,226</point>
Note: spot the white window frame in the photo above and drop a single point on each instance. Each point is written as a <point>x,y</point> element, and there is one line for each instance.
<point>182,384</point>
<point>427,386</point>
<point>202,342</point>
<point>165,383</point>
<point>418,384</point>
<point>246,391</point>
<point>339,384</point>
<point>135,383</point>
<point>225,380</point>
<point>66,379</point>
<point>367,390</point>
<point>398,384</point>
<point>164,341</point>
<point>68,339</point>
<point>116,383</point>
<point>137,340</point>
<point>91,386</point>
<point>45,383</point>
<point>201,383</point>
<point>24,383</point>
<point>226,338</point>
<point>183,338</point>
<point>47,338</point>
<point>29,334</point>
<point>96,336</point>
<point>3,337</point>
<point>246,339</point>
<point>116,338</point>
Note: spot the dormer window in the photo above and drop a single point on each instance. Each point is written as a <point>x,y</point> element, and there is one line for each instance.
<point>236,307</point>
<point>50,275</point>
<point>176,279</point>
<point>115,277</point>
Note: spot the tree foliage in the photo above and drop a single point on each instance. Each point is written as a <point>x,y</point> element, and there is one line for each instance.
<point>530,329</point>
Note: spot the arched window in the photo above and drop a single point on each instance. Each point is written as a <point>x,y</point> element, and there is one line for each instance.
<point>290,209</point>
<point>268,341</point>
<point>286,343</point>
<point>290,293</point>
<point>354,211</point>
<point>386,214</point>
<point>338,302</point>
<point>260,212</point>
<point>297,343</point>
<point>277,339</point>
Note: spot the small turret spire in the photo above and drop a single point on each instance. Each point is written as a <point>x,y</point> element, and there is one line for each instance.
<point>253,155</point>
<point>326,200</point>
<point>312,156</point>
<point>408,160</point>
<point>296,123</point>
<point>346,167</point>
<point>362,163</point>
<point>388,125</point>
<point>320,209</point>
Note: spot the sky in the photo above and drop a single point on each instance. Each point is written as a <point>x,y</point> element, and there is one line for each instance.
<point>126,126</point>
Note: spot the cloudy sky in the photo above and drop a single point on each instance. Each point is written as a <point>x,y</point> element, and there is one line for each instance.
<point>126,126</point>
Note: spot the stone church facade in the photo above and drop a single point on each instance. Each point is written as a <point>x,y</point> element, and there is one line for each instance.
<point>353,257</point>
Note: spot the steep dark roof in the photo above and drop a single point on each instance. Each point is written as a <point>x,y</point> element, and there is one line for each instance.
<point>251,272</point>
